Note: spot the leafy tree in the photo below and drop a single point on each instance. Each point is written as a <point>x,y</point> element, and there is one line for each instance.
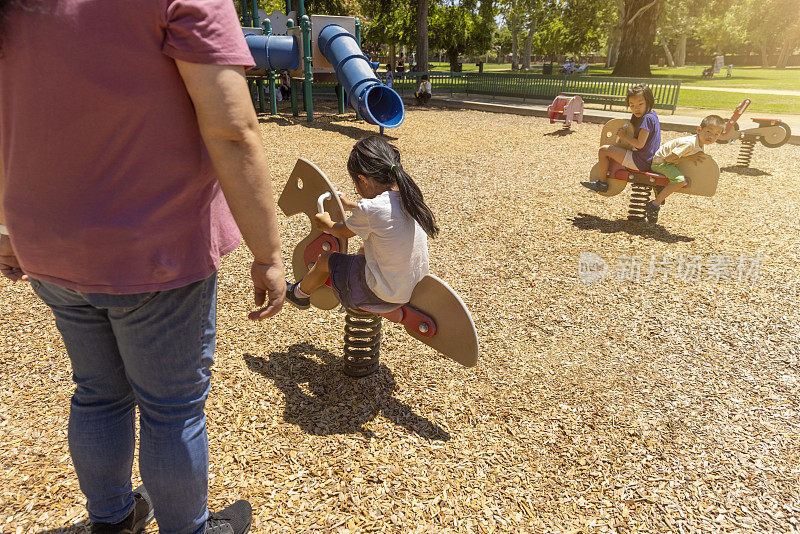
<point>459,30</point>
<point>679,19</point>
<point>514,13</point>
<point>763,25</point>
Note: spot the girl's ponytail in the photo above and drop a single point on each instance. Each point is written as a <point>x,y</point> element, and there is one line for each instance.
<point>413,202</point>
<point>375,158</point>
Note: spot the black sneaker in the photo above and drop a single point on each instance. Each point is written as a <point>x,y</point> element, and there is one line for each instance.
<point>651,212</point>
<point>140,517</point>
<point>235,519</point>
<point>598,186</point>
<point>296,301</point>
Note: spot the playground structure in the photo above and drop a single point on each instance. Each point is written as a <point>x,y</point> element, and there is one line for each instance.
<point>324,48</point>
<point>435,315</point>
<point>566,109</point>
<point>772,133</point>
<point>702,177</point>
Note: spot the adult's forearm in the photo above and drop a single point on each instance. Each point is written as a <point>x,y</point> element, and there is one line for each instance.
<point>2,190</point>
<point>244,176</point>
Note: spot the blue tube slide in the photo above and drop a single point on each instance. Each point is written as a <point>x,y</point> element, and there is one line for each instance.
<point>274,52</point>
<point>378,104</point>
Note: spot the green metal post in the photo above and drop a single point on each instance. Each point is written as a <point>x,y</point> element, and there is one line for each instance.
<point>245,14</point>
<point>301,9</point>
<point>273,100</point>
<point>358,40</point>
<point>292,88</point>
<point>340,98</point>
<point>262,105</point>
<point>293,98</point>
<point>306,28</point>
<point>288,6</point>
<point>255,14</point>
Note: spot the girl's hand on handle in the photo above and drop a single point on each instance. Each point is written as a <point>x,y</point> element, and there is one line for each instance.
<point>697,158</point>
<point>347,204</point>
<point>269,287</point>
<point>323,222</point>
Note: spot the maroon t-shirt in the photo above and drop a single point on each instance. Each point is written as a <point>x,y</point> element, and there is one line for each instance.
<point>108,185</point>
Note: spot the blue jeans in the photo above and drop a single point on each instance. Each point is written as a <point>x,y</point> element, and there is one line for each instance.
<point>154,350</point>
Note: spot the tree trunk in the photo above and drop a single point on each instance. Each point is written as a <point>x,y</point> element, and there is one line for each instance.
<point>514,48</point>
<point>393,56</point>
<point>790,37</point>
<point>613,50</point>
<point>422,35</point>
<point>615,36</point>
<point>764,54</point>
<point>638,35</point>
<point>452,57</point>
<point>680,51</point>
<point>786,52</point>
<point>526,58</point>
<point>670,60</point>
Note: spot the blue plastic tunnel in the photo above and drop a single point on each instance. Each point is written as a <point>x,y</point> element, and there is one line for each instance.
<point>378,104</point>
<point>274,52</point>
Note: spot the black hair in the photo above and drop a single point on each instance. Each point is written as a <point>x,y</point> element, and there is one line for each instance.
<point>644,90</point>
<point>425,77</point>
<point>374,158</point>
<point>713,120</point>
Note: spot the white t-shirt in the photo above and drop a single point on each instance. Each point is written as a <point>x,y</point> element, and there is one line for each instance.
<point>395,246</point>
<point>425,87</point>
<point>681,147</point>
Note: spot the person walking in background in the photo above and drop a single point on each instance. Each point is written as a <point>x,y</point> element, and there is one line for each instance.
<point>119,226</point>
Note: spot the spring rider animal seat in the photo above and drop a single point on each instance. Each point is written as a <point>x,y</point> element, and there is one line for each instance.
<point>702,177</point>
<point>435,315</point>
<point>772,133</point>
<point>566,109</point>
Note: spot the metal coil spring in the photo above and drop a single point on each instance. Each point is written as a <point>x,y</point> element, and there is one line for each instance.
<point>640,195</point>
<point>745,152</point>
<point>362,343</point>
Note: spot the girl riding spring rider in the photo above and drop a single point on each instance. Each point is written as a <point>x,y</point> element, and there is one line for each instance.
<point>394,223</point>
<point>645,141</point>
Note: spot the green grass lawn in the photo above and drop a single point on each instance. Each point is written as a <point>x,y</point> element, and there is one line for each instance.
<point>724,100</point>
<point>787,79</point>
<point>743,78</point>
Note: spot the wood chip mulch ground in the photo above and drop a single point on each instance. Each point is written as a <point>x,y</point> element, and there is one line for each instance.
<point>662,396</point>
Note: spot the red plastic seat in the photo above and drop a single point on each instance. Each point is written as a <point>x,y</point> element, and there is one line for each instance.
<point>618,172</point>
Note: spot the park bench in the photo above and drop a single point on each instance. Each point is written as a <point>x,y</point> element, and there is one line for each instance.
<point>594,89</point>
<point>612,91</point>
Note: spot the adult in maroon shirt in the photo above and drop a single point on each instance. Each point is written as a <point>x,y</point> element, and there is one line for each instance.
<point>118,199</point>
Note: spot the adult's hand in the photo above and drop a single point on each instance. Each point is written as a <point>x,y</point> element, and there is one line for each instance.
<point>232,136</point>
<point>9,266</point>
<point>269,286</point>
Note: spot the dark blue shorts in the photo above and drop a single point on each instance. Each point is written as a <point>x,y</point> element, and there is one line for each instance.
<point>349,281</point>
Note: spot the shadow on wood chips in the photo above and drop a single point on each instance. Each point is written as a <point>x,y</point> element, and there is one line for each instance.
<point>328,120</point>
<point>561,133</point>
<point>77,528</point>
<point>322,401</point>
<point>606,226</point>
<point>745,171</point>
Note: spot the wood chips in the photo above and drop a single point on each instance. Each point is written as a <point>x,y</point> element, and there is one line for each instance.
<point>663,397</point>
